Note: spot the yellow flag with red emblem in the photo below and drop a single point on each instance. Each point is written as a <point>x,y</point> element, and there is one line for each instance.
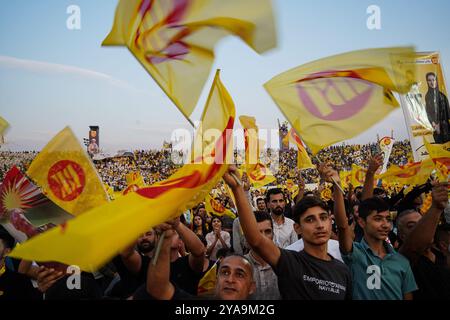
<point>410,174</point>
<point>337,98</point>
<point>67,176</point>
<point>174,39</point>
<point>303,159</point>
<point>259,175</point>
<point>346,178</point>
<point>358,175</point>
<point>441,158</point>
<point>93,238</point>
<point>216,208</point>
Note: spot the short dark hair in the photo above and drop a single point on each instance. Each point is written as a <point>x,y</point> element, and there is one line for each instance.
<point>366,207</point>
<point>273,191</point>
<point>259,199</point>
<point>7,239</point>
<point>308,202</point>
<point>263,216</point>
<point>232,254</point>
<point>431,74</point>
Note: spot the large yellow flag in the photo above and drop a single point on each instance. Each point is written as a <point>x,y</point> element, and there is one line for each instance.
<point>67,176</point>
<point>3,126</point>
<point>336,98</point>
<point>216,208</point>
<point>303,159</point>
<point>93,238</point>
<point>346,178</point>
<point>174,39</point>
<point>251,140</point>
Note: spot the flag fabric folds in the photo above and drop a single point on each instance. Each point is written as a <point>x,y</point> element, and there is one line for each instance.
<point>303,159</point>
<point>337,98</point>
<point>174,39</point>
<point>440,155</point>
<point>251,139</point>
<point>67,176</point>
<point>93,238</point>
<point>216,208</point>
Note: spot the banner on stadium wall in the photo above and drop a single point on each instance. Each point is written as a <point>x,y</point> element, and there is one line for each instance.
<point>94,140</point>
<point>425,107</point>
<point>386,144</point>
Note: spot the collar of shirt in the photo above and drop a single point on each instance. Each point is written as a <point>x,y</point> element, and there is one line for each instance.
<point>389,250</point>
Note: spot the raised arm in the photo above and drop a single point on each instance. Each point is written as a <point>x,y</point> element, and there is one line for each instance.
<point>131,259</point>
<point>301,189</point>
<point>264,247</point>
<point>344,230</point>
<point>375,162</point>
<point>193,245</point>
<point>158,276</point>
<point>422,235</point>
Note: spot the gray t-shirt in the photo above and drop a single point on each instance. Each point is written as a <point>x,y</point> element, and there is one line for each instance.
<point>304,277</point>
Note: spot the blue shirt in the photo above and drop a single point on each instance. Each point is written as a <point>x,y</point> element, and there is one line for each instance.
<point>379,279</point>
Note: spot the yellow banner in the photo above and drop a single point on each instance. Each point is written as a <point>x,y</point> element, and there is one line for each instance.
<point>174,39</point>
<point>337,98</point>
<point>67,176</point>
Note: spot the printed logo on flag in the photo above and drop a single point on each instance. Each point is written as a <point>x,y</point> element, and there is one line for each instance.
<point>218,207</point>
<point>335,95</point>
<point>360,175</point>
<point>259,173</point>
<point>166,43</point>
<point>66,180</point>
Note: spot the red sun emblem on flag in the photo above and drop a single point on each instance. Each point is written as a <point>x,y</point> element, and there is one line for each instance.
<point>218,207</point>
<point>259,173</point>
<point>66,180</point>
<point>338,95</point>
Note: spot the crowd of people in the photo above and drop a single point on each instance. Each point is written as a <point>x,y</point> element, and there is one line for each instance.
<point>362,244</point>
<point>157,165</point>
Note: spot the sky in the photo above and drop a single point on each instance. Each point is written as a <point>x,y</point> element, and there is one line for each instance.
<point>51,76</point>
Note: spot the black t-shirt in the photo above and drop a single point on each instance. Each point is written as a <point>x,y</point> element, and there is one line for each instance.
<point>433,280</point>
<point>304,277</point>
<point>16,286</point>
<point>179,294</point>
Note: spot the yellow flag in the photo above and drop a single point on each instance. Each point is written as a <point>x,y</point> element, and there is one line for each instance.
<point>251,139</point>
<point>259,175</point>
<point>216,208</point>
<point>207,284</point>
<point>174,39</point>
<point>136,178</point>
<point>358,175</point>
<point>337,98</point>
<point>67,176</point>
<point>93,238</point>
<point>3,126</point>
<point>346,178</point>
<point>441,158</point>
<point>409,174</point>
<point>303,159</point>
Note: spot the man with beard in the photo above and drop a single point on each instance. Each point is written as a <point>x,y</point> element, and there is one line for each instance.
<point>261,204</point>
<point>438,110</point>
<point>283,227</point>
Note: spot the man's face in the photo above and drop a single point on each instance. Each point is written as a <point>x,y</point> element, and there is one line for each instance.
<point>431,80</point>
<point>377,225</point>
<point>146,242</point>
<point>277,204</point>
<point>261,205</point>
<point>265,228</point>
<point>407,223</point>
<point>314,226</point>
<point>234,279</point>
